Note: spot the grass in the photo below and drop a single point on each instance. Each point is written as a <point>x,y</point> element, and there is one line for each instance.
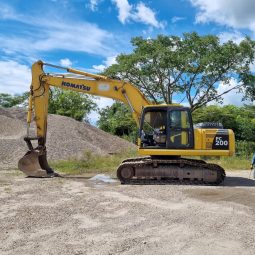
<point>232,163</point>
<point>91,163</point>
<point>14,172</point>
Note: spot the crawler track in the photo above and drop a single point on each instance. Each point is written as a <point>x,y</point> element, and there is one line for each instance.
<point>147,170</point>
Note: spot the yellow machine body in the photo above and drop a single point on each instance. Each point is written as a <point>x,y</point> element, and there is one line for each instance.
<point>203,145</point>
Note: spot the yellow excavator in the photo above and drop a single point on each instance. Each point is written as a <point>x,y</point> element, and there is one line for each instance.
<point>166,132</point>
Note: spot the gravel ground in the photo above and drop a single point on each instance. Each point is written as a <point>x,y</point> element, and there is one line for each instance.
<point>67,138</point>
<point>75,215</point>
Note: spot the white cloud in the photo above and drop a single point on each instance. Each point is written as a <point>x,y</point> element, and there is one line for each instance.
<point>83,37</point>
<point>235,36</point>
<point>147,32</point>
<point>235,14</point>
<point>139,13</point>
<point>108,62</point>
<point>233,97</point>
<point>176,19</point>
<point>124,10</point>
<point>15,78</point>
<point>147,16</point>
<point>56,34</point>
<point>66,62</point>
<point>252,67</point>
<point>99,68</point>
<point>7,12</point>
<point>93,4</point>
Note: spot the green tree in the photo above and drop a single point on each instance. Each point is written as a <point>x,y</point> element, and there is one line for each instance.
<point>240,119</point>
<point>117,120</point>
<point>7,100</point>
<point>71,104</point>
<point>190,67</point>
<point>249,86</point>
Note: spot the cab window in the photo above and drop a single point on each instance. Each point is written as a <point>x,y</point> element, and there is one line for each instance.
<point>179,119</point>
<point>179,136</point>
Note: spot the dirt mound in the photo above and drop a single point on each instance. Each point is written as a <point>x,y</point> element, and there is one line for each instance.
<point>6,127</point>
<point>66,138</point>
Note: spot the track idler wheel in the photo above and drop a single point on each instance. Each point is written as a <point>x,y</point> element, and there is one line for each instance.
<point>34,164</point>
<point>125,173</point>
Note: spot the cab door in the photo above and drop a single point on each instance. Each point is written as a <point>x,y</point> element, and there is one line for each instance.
<point>180,129</point>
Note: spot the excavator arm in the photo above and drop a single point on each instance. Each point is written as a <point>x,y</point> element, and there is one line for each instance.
<point>34,163</point>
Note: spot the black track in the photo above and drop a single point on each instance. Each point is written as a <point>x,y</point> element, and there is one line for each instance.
<point>186,163</point>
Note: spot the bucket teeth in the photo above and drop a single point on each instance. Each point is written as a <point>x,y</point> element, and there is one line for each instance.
<point>30,165</point>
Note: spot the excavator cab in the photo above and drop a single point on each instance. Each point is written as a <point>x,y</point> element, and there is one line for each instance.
<point>166,127</point>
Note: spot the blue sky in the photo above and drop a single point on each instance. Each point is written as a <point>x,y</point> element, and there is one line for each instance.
<point>88,34</point>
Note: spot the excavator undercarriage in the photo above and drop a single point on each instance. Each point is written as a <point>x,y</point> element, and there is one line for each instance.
<point>150,170</point>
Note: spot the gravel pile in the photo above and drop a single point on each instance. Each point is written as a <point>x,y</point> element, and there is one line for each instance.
<point>66,138</point>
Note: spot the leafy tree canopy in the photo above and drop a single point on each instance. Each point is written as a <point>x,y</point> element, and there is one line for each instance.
<point>240,119</point>
<point>7,100</point>
<point>117,119</point>
<point>190,67</point>
<point>249,86</point>
<point>71,104</point>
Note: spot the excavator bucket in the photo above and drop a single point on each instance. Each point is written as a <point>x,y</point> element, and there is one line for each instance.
<point>35,165</point>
